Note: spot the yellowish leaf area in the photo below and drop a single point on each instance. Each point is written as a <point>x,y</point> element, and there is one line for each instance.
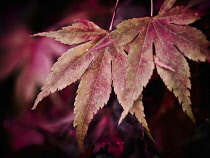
<point>100,62</point>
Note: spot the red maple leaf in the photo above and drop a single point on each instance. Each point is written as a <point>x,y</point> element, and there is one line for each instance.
<point>100,62</point>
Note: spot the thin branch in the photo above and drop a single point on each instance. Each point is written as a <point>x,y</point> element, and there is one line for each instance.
<point>114,14</point>
<point>151,8</point>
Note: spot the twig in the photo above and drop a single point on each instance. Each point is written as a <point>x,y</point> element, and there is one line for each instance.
<point>114,14</point>
<point>151,8</point>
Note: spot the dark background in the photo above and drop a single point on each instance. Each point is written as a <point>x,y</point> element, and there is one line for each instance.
<point>48,131</point>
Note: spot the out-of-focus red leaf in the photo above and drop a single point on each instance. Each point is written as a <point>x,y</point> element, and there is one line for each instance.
<point>114,145</point>
<point>106,135</point>
<point>22,132</point>
<point>32,128</point>
<point>30,58</point>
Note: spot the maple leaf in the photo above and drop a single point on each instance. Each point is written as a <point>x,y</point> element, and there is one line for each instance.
<point>138,110</point>
<point>90,61</point>
<point>99,60</point>
<point>172,39</point>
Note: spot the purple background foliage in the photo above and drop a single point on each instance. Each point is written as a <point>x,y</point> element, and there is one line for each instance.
<point>48,131</point>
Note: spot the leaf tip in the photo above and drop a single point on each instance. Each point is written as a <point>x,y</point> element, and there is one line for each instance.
<point>123,115</point>
<point>192,118</point>
<point>35,104</point>
<point>39,98</point>
<point>34,107</point>
<point>149,134</point>
<point>120,121</point>
<point>81,147</point>
<point>35,35</point>
<point>40,34</point>
<point>190,115</point>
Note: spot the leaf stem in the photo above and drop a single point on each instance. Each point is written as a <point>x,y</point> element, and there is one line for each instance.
<point>151,8</point>
<point>113,16</point>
